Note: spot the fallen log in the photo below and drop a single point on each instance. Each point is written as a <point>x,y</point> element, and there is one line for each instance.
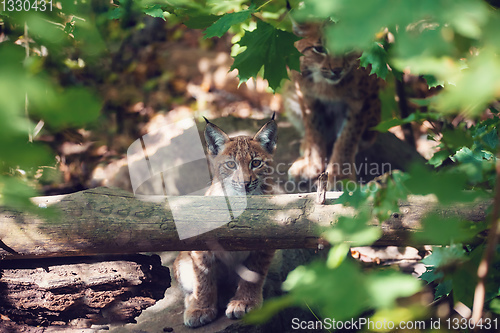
<point>107,220</point>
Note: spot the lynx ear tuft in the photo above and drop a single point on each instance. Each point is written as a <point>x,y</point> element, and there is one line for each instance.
<point>267,136</point>
<point>216,138</point>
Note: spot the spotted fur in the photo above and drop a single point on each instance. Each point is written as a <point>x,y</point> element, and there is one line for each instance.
<point>240,166</point>
<point>338,102</point>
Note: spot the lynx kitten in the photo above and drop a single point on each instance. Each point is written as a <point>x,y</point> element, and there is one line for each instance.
<point>239,165</point>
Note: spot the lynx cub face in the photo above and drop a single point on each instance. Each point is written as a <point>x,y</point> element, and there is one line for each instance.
<point>239,166</point>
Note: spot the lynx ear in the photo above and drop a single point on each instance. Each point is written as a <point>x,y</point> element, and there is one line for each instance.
<point>303,29</point>
<point>267,136</point>
<point>216,138</point>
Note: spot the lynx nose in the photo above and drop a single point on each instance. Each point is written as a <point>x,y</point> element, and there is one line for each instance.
<point>246,183</point>
<point>336,74</point>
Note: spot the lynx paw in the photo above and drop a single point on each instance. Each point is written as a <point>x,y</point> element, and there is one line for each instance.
<point>199,317</point>
<point>305,168</point>
<point>236,309</point>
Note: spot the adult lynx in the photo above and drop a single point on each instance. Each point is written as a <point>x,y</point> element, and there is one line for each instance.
<point>239,165</point>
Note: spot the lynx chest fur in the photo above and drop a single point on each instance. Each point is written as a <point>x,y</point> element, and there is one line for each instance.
<point>232,281</point>
<point>338,102</point>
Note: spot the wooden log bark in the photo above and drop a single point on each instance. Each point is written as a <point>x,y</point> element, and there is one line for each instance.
<point>105,220</point>
<point>79,292</point>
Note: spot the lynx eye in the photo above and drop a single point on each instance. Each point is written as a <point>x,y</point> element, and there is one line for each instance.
<point>231,165</point>
<point>319,49</point>
<point>255,163</point>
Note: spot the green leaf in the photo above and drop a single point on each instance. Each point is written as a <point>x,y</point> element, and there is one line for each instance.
<point>385,287</point>
<point>354,199</point>
<point>467,17</point>
<point>439,230</point>
<point>81,106</point>
<point>428,41</point>
<point>154,11</point>
<point>15,193</point>
<point>491,140</point>
<point>17,152</point>
<point>376,57</point>
<point>114,14</point>
<point>494,305</point>
<point>439,157</point>
<point>464,281</point>
<point>218,6</point>
<point>452,268</point>
<point>337,255</point>
<point>270,48</point>
<point>448,186</point>
<point>353,230</point>
<point>474,164</point>
<point>89,38</point>
<point>414,117</point>
<point>390,107</point>
<point>318,286</point>
<point>50,33</point>
<point>345,35</point>
<point>388,195</point>
<point>443,289</point>
<point>446,256</point>
<point>457,137</point>
<point>463,274</point>
<point>384,126</point>
<point>432,275</point>
<point>222,25</point>
<point>201,21</point>
<point>432,81</point>
<point>475,87</point>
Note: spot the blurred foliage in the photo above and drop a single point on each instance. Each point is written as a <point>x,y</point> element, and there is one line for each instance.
<point>32,99</point>
<point>453,44</point>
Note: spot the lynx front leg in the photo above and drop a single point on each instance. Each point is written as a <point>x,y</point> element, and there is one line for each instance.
<point>314,154</point>
<point>248,295</point>
<point>195,272</point>
<point>341,165</point>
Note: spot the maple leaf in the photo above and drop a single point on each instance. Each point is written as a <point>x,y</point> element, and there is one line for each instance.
<point>222,25</point>
<point>270,48</point>
<point>376,56</point>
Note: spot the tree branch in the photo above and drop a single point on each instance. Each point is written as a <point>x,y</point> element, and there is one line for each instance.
<point>489,253</point>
